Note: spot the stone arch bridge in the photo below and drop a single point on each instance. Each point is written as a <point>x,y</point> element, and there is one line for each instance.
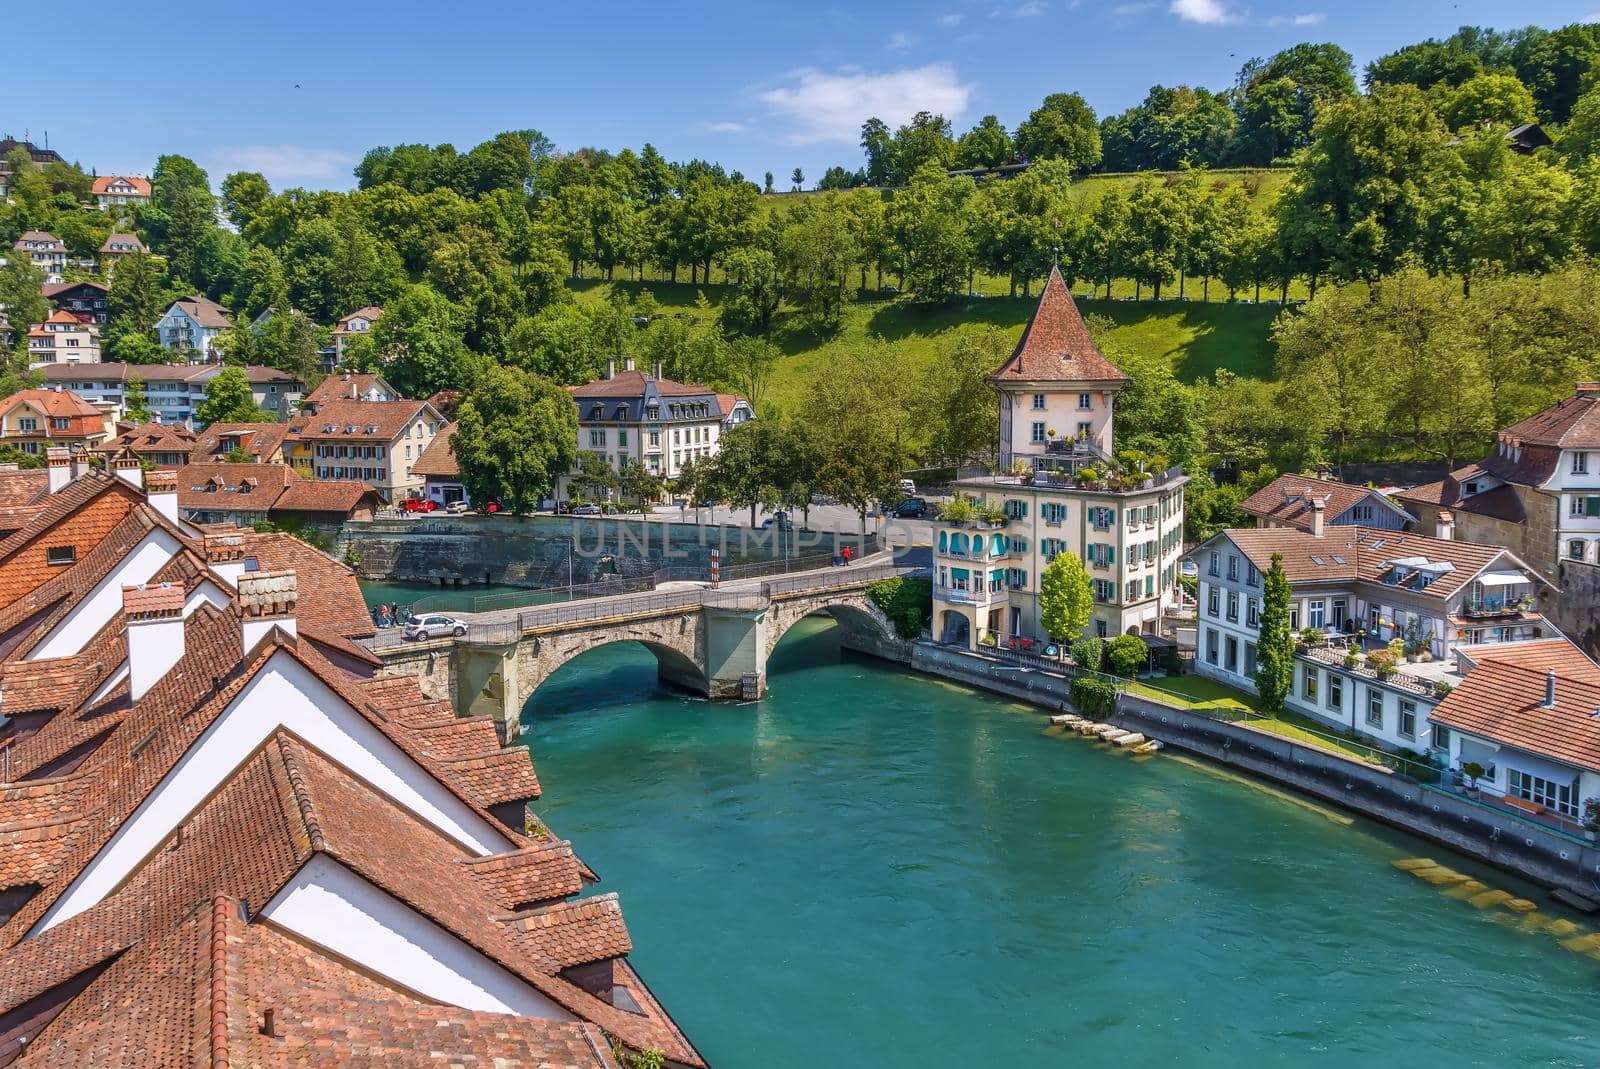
<point>713,641</point>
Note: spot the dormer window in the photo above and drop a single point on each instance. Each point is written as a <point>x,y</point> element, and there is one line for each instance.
<point>1580,463</point>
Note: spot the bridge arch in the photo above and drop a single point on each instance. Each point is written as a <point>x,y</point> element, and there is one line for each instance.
<point>853,611</point>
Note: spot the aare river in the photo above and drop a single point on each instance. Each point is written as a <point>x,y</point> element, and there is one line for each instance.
<point>873,868</point>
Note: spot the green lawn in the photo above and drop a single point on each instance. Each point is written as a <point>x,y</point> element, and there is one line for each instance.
<point>1198,337</point>
<point>1225,702</point>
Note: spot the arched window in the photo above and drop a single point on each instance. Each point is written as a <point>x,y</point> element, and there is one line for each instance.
<point>944,541</point>
<point>958,543</point>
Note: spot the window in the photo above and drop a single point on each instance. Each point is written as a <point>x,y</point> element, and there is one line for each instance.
<point>1580,463</point>
<point>622,436</point>
<point>1038,432</point>
<point>1576,508</point>
<point>1085,429</point>
<point>1576,549</point>
<point>1211,645</point>
<point>1470,489</point>
<point>1335,692</point>
<point>1541,791</point>
<point>1232,646</point>
<point>1252,612</point>
<point>1318,612</point>
<point>1375,708</point>
<point>655,438</point>
<point>1017,510</point>
<point>27,423</point>
<point>597,439</point>
<point>1308,683</point>
<point>1250,658</point>
<point>1085,402</point>
<point>1213,601</point>
<point>1054,513</point>
<point>1408,718</point>
<point>1233,606</point>
<point>61,554</point>
<point>1212,566</point>
<point>1441,737</point>
<point>1038,402</point>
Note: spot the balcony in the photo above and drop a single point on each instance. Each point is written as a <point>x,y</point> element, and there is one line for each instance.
<point>962,595</point>
<point>1485,605</point>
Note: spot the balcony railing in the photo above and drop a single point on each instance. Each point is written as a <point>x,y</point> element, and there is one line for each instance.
<point>966,595</point>
<point>1496,605</point>
<point>1336,658</point>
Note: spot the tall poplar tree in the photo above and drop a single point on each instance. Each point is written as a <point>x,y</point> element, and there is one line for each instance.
<point>1275,653</point>
<point>1066,599</point>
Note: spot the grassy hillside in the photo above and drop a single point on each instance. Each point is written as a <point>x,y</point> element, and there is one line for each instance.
<point>1197,337</point>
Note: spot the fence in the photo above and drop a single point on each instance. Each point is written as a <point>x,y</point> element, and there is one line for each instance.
<point>516,599</point>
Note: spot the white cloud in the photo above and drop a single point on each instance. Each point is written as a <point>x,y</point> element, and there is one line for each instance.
<point>1205,12</point>
<point>953,19</point>
<point>831,106</point>
<point>1026,10</point>
<point>1313,18</point>
<point>725,127</point>
<point>899,41</point>
<point>285,164</point>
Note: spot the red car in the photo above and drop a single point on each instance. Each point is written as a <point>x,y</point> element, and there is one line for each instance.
<point>417,504</point>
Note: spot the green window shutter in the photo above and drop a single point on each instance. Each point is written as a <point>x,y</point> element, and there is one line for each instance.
<point>1591,506</point>
<point>1111,554</point>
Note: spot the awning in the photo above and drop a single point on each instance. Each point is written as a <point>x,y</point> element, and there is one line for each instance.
<point>1503,579</point>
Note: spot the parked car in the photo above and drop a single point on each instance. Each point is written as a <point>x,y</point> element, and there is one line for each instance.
<point>491,507</point>
<point>432,625</point>
<point>586,510</point>
<point>908,488</point>
<point>456,508</point>
<point>418,504</point>
<point>780,520</point>
<point>911,507</point>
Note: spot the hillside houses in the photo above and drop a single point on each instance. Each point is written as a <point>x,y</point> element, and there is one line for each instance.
<point>115,189</point>
<point>172,391</point>
<point>63,339</point>
<point>190,327</point>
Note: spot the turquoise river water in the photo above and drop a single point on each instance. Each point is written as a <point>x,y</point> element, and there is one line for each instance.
<point>871,867</point>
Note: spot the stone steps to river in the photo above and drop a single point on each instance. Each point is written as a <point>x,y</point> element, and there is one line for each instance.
<point>1520,913</point>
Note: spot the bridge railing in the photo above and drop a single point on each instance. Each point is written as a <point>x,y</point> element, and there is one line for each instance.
<point>834,578</point>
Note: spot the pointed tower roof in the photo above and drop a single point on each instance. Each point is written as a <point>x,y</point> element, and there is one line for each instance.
<point>1056,346</point>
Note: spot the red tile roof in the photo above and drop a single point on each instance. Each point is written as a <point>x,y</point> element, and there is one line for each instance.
<point>348,386</point>
<point>1286,499</point>
<point>264,441</point>
<point>1056,345</point>
<point>440,456</point>
<point>141,186</point>
<point>370,313</point>
<point>1571,423</point>
<point>58,403</point>
<point>360,421</point>
<point>1502,699</point>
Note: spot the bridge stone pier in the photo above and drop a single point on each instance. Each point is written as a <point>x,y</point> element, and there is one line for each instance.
<point>713,642</point>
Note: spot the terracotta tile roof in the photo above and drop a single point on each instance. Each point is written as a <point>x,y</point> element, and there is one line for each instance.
<point>493,778</point>
<point>34,236</point>
<point>56,289</point>
<point>81,513</point>
<point>1571,423</point>
<point>1286,499</point>
<point>103,184</point>
<point>1056,345</point>
<point>370,313</point>
<point>544,872</point>
<point>1536,655</point>
<point>351,420</point>
<point>251,487</point>
<point>203,310</point>
<point>264,441</point>
<point>49,685</point>
<point>196,374</point>
<point>19,489</point>
<point>440,456</point>
<point>115,243</point>
<point>60,403</point>
<point>635,383</point>
<point>1355,553</point>
<point>348,386</point>
<point>150,438</point>
<point>151,600</point>
<point>342,496</point>
<point>578,932</point>
<point>1502,699</point>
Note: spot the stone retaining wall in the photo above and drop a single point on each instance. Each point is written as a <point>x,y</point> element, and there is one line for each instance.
<point>1507,842</point>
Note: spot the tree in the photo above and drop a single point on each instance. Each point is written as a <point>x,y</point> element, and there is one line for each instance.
<point>1280,98</point>
<point>1127,655</point>
<point>421,335</point>
<point>934,248</point>
<point>594,478</point>
<point>1275,651</point>
<point>766,185</point>
<point>135,400</point>
<point>747,470</point>
<point>1580,141</point>
<point>1172,127</point>
<point>1061,128</point>
<point>859,418</point>
<point>1155,234</point>
<point>963,409</point>
<point>819,252</point>
<point>922,142</point>
<point>1488,100</point>
<point>516,434</point>
<point>1066,597</point>
<point>638,483</point>
<point>1559,66</point>
<point>244,194</point>
<point>985,145</point>
<point>228,399</point>
<point>749,306</point>
<point>751,362</point>
<point>798,178</point>
<point>878,143</point>
<point>20,281</point>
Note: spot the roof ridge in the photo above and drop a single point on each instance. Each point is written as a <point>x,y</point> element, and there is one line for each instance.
<point>217,1004</point>
<point>302,797</point>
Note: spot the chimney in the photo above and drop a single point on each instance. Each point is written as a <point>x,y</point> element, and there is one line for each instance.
<point>80,464</point>
<point>658,371</point>
<point>161,491</point>
<point>1589,389</point>
<point>129,470</point>
<point>266,600</point>
<point>1549,689</point>
<point>225,555</point>
<point>611,368</point>
<point>1319,508</point>
<point>155,633</point>
<point>355,391</point>
<point>1445,528</point>
<point>627,363</point>
<point>59,463</point>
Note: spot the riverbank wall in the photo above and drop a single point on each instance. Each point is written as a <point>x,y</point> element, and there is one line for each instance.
<point>548,551</point>
<point>1489,835</point>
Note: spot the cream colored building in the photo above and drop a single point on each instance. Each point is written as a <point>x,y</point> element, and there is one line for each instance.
<point>1127,528</point>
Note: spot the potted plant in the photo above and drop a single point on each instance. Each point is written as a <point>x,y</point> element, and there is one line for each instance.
<point>1382,662</point>
<point>1309,637</point>
<point>1591,818</point>
<point>1472,770</point>
<point>1352,659</point>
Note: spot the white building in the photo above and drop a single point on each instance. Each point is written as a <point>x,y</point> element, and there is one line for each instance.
<point>191,325</point>
<point>1057,396</point>
<point>1361,588</point>
<point>44,250</point>
<point>652,421</point>
<point>172,391</point>
<point>63,339</point>
<point>113,189</point>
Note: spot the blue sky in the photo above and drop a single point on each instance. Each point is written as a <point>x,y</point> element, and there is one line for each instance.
<point>300,90</point>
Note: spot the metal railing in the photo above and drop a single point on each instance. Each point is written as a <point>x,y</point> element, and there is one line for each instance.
<point>1334,658</point>
<point>516,599</point>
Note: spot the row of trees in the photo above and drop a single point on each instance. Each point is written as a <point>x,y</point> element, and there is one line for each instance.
<point>1476,75</point>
